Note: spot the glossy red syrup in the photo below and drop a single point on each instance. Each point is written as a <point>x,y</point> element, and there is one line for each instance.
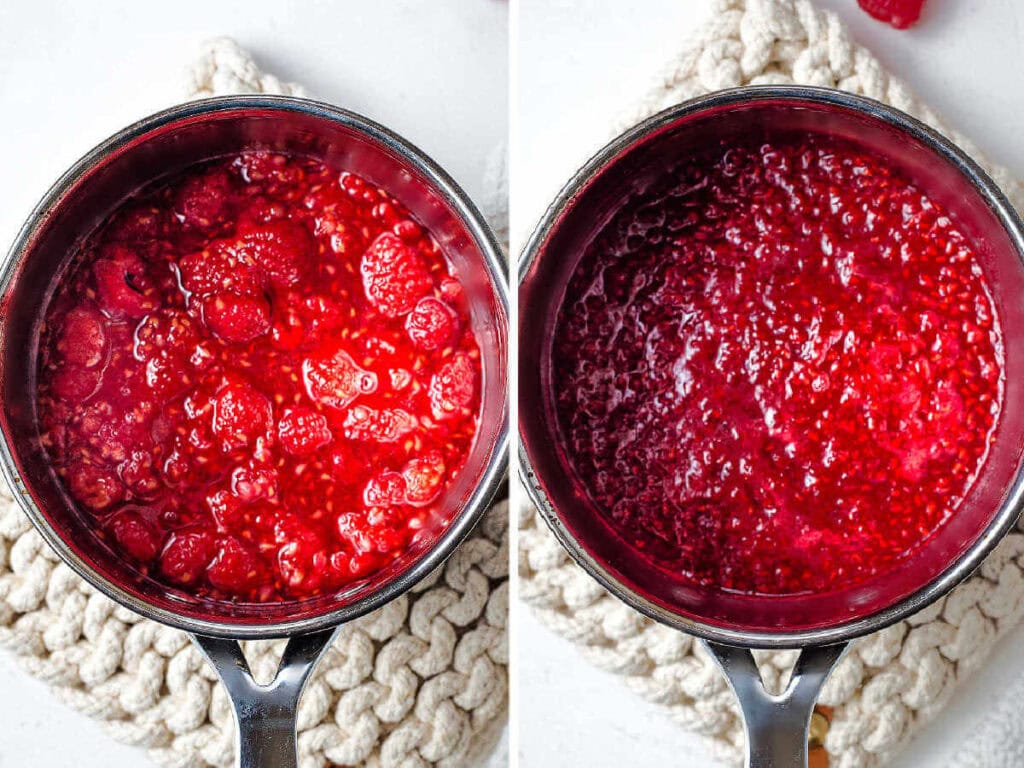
<point>778,370</point>
<point>257,380</point>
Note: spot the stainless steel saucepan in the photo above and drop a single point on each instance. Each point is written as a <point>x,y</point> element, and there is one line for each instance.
<point>728,623</point>
<point>164,144</point>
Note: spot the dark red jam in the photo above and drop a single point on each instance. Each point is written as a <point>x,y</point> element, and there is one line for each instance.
<point>778,370</point>
<point>257,380</point>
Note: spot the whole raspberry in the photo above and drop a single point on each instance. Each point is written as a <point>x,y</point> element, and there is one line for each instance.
<point>899,13</point>
<point>123,285</point>
<point>336,380</point>
<point>135,535</point>
<point>394,275</point>
<point>235,569</point>
<point>431,324</point>
<point>241,413</point>
<point>186,556</point>
<point>452,388</point>
<point>219,268</point>
<point>235,318</point>
<point>302,431</point>
<point>282,250</point>
<point>383,425</point>
<point>423,478</point>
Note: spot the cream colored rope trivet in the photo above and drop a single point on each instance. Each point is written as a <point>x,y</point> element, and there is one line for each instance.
<point>891,682</point>
<point>420,682</point>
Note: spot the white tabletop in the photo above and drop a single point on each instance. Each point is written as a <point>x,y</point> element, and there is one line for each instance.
<point>580,64</point>
<point>71,73</point>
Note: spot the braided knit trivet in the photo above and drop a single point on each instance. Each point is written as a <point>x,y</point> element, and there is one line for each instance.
<point>420,682</point>
<point>891,682</point>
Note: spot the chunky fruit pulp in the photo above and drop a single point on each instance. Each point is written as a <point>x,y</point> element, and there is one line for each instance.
<point>778,370</point>
<point>257,380</point>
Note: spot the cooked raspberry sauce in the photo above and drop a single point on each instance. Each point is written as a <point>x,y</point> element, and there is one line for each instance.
<point>257,380</point>
<point>778,370</point>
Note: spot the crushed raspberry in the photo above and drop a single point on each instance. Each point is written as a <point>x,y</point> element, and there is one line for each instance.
<point>139,475</point>
<point>73,384</point>
<point>241,413</point>
<point>229,390</point>
<point>302,431</point>
<point>431,324</point>
<point>95,487</point>
<point>236,318</point>
<point>778,369</point>
<point>335,380</point>
<point>453,387</point>
<point>250,484</point>
<point>394,276</point>
<point>82,340</point>
<point>899,13</point>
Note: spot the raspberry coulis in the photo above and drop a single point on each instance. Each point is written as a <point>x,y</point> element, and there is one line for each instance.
<point>257,379</point>
<point>778,369</point>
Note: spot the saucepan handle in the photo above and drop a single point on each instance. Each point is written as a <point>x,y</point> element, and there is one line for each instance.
<point>777,724</point>
<point>265,714</point>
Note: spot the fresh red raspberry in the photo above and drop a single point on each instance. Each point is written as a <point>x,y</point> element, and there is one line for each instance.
<point>336,380</point>
<point>899,13</point>
<point>385,490</point>
<point>302,431</point>
<point>235,318</point>
<point>83,339</point>
<point>394,275</point>
<point>241,413</point>
<point>124,286</point>
<point>97,488</point>
<point>424,478</point>
<point>219,268</point>
<point>254,483</point>
<point>235,569</point>
<point>452,388</point>
<point>283,251</point>
<point>383,425</point>
<point>203,202</point>
<point>186,556</point>
<point>135,536</point>
<point>431,324</point>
